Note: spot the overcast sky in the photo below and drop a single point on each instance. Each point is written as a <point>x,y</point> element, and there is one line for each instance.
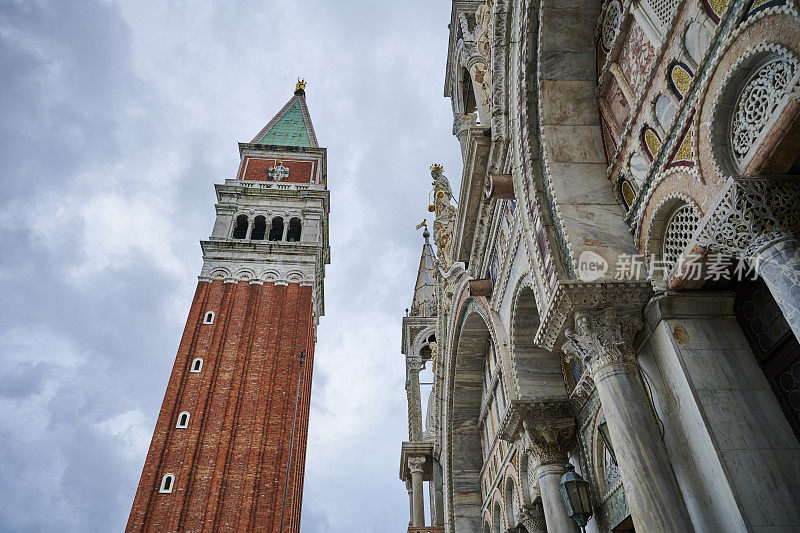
<point>117,119</point>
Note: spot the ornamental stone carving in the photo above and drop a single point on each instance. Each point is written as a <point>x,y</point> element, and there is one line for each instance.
<point>604,337</point>
<point>611,24</point>
<point>445,217</point>
<point>750,214</point>
<point>571,295</point>
<point>757,101</point>
<point>416,465</point>
<point>532,517</point>
<point>547,425</point>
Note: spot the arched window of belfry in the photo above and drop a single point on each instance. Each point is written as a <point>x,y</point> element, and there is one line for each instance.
<point>678,233</point>
<point>197,364</point>
<point>240,229</point>
<point>468,93</point>
<point>295,227</point>
<point>208,318</point>
<point>276,229</point>
<point>259,228</point>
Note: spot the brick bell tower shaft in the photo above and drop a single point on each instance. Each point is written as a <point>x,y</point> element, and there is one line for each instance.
<point>228,451</point>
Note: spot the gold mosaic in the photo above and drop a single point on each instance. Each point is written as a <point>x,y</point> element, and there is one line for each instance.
<point>652,141</point>
<point>681,78</point>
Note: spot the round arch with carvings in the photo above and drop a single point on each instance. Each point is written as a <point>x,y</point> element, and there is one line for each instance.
<point>465,371</point>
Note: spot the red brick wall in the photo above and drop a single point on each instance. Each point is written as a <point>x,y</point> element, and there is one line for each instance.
<point>300,171</point>
<point>230,464</point>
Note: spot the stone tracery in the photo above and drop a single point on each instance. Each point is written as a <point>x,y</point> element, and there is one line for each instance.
<point>757,101</point>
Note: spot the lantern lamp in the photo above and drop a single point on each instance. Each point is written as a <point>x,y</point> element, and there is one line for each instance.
<point>577,496</point>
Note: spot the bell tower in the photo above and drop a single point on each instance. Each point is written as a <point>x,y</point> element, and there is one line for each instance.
<point>228,451</point>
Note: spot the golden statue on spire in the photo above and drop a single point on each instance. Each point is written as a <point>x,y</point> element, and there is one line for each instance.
<point>301,85</point>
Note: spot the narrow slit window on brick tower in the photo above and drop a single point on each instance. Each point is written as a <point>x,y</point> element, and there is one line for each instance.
<point>167,483</point>
<point>183,420</point>
<point>276,229</point>
<point>240,230</point>
<point>259,228</point>
<point>295,227</point>
<point>197,365</point>
<point>208,318</point>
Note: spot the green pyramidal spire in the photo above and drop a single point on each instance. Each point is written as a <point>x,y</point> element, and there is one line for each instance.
<point>291,126</point>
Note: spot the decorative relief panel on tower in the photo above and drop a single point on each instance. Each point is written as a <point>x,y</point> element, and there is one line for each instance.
<point>273,169</point>
<point>278,172</point>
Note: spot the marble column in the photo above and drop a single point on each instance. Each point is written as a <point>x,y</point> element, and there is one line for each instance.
<point>548,437</point>
<point>603,340</point>
<point>413,365</point>
<point>437,485</point>
<point>416,465</point>
<point>758,219</point>
<point>410,490</point>
<point>779,267</point>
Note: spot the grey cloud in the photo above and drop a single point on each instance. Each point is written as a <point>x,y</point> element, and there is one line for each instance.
<point>116,118</point>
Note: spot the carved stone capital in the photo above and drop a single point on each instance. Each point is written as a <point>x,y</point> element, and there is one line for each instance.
<point>536,412</point>
<point>462,123</point>
<point>414,363</point>
<point>548,426</point>
<point>416,465</point>
<point>572,295</point>
<point>532,517</point>
<point>604,337</point>
<point>750,214</point>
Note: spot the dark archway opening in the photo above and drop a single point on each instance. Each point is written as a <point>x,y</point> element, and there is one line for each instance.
<point>276,229</point>
<point>773,343</point>
<point>259,228</point>
<point>240,230</point>
<point>295,227</point>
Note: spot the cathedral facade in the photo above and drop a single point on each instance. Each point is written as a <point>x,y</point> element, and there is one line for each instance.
<point>618,287</point>
<point>228,451</point>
